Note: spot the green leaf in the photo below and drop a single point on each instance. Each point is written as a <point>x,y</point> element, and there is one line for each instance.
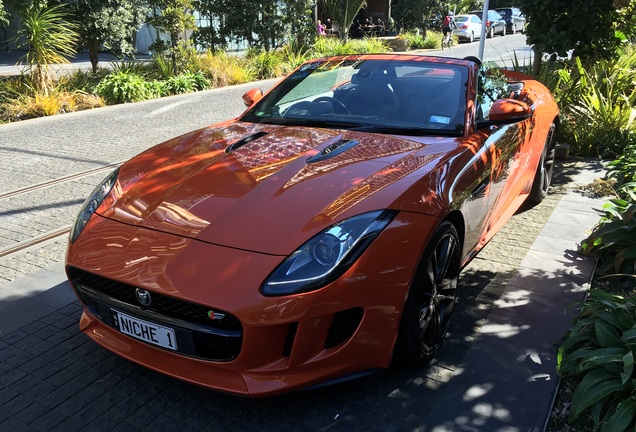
<point>628,367</point>
<point>621,321</point>
<point>622,418</point>
<point>600,357</point>
<point>606,335</point>
<point>596,385</point>
<point>629,337</point>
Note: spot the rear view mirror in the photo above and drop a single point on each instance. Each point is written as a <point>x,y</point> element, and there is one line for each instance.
<point>506,111</point>
<point>252,96</point>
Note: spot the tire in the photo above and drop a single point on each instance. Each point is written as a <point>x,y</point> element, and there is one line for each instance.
<point>431,298</point>
<point>503,32</point>
<point>543,176</point>
<point>471,38</point>
<point>513,30</point>
<point>491,32</point>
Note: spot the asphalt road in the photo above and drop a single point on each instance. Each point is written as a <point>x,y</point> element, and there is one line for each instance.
<point>507,51</point>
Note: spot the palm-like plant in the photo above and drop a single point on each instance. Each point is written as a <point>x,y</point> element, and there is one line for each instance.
<point>49,38</point>
<point>343,13</point>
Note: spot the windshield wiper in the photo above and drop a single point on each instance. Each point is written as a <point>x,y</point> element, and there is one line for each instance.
<point>406,130</point>
<point>296,121</point>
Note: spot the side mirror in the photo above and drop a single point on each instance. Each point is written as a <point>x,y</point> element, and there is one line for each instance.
<point>252,96</point>
<point>506,111</point>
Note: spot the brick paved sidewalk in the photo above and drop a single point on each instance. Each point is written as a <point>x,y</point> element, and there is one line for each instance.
<point>494,373</point>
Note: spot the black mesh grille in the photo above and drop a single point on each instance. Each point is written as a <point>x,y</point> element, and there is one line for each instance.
<point>200,331</point>
<point>160,303</point>
<point>343,326</point>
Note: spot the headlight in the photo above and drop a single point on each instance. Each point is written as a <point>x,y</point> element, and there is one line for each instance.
<point>91,204</point>
<point>327,255</point>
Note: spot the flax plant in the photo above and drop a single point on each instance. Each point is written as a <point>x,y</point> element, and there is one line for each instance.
<point>49,38</point>
<point>598,103</point>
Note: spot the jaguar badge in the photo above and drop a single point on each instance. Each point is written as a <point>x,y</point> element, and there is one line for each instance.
<point>143,297</point>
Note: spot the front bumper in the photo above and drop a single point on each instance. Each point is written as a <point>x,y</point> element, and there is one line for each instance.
<point>277,344</point>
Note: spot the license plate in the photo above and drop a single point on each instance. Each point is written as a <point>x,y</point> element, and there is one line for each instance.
<point>146,331</point>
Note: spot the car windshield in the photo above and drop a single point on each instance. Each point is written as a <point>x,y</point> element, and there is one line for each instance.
<point>506,13</point>
<point>461,18</point>
<point>409,97</point>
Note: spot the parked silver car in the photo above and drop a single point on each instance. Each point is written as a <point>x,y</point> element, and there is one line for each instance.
<point>495,24</point>
<point>468,27</point>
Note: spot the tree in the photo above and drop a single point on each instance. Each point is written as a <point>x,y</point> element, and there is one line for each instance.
<point>210,36</point>
<point>269,27</point>
<point>412,13</point>
<point>503,3</point>
<point>49,37</point>
<point>173,17</point>
<point>262,23</point>
<point>109,23</point>
<point>343,13</point>
<point>626,22</point>
<point>299,21</point>
<point>4,17</point>
<point>585,26</point>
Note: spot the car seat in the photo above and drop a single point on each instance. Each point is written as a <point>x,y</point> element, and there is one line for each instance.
<point>371,95</point>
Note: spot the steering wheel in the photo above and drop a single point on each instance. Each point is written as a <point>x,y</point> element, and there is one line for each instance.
<point>338,107</point>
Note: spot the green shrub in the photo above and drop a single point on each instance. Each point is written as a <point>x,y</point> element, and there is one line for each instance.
<point>432,40</point>
<point>332,47</point>
<point>122,86</point>
<point>223,69</point>
<point>368,45</point>
<point>294,54</point>
<point>601,349</point>
<point>267,64</point>
<point>186,83</point>
<point>146,69</point>
<point>47,103</point>
<point>163,65</point>
<point>614,238</point>
<point>13,87</point>
<point>157,89</point>
<point>84,81</point>
<point>597,104</point>
<point>623,169</point>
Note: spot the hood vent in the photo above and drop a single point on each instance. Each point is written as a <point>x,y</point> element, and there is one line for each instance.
<point>240,143</point>
<point>333,150</point>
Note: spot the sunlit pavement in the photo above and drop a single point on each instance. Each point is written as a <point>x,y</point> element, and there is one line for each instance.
<point>496,372</point>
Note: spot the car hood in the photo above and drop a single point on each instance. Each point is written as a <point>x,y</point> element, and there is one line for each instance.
<point>266,188</point>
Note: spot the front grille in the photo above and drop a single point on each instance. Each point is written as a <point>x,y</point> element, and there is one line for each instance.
<point>207,333</point>
<point>343,326</point>
<point>162,304</point>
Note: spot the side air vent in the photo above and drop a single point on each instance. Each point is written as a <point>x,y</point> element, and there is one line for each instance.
<point>242,142</point>
<point>289,340</point>
<point>333,150</point>
<point>344,324</point>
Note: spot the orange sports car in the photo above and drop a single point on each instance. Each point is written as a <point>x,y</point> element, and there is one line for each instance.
<point>319,235</point>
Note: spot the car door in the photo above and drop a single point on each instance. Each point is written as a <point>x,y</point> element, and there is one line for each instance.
<point>506,147</point>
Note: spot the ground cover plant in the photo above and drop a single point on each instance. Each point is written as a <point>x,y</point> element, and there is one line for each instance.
<point>596,358</point>
<point>601,349</point>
